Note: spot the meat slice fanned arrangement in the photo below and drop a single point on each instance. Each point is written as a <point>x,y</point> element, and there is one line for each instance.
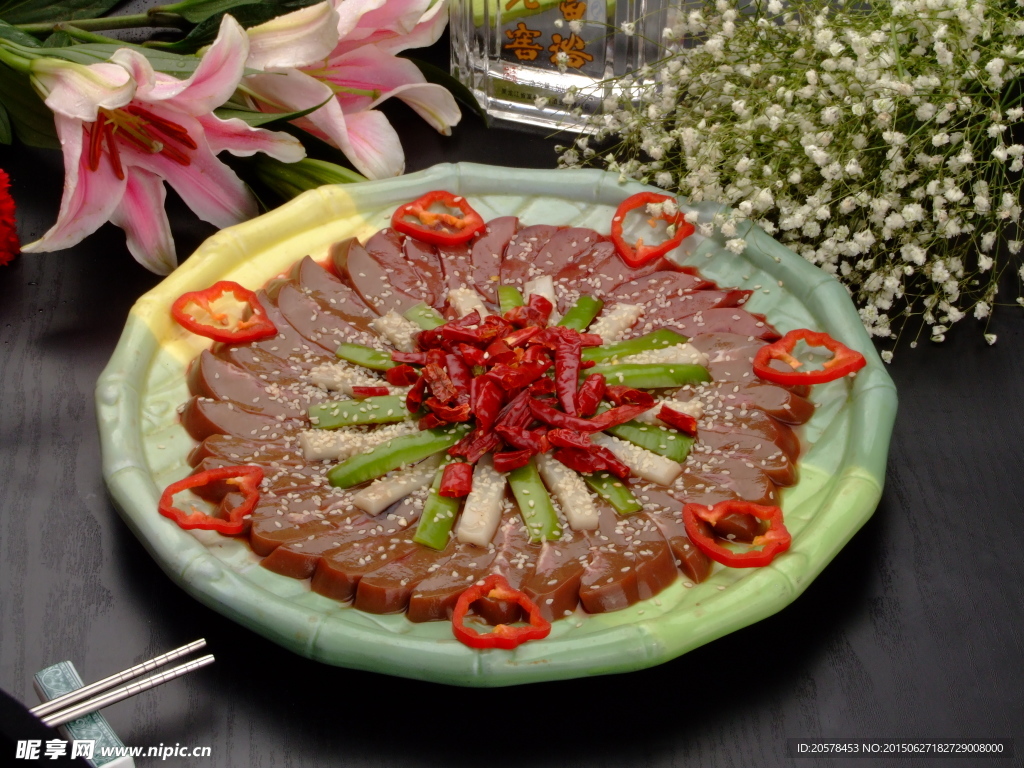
<point>251,403</point>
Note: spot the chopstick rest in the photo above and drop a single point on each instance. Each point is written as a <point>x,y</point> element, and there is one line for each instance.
<point>62,678</point>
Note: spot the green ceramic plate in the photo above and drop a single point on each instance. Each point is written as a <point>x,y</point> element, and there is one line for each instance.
<point>144,447</point>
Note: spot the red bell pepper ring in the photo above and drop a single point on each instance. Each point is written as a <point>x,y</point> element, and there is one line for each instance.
<point>250,324</point>
<point>402,375</point>
<point>416,219</point>
<point>456,480</point>
<point>360,393</point>
<point>684,422</point>
<point>503,636</point>
<point>590,394</point>
<point>246,478</point>
<point>844,360</point>
<point>773,542</point>
<point>637,254</point>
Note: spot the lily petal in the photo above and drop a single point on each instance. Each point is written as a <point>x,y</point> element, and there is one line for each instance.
<point>78,90</point>
<point>351,11</point>
<point>400,25</point>
<point>241,139</point>
<point>211,189</point>
<point>142,216</point>
<point>296,90</point>
<point>369,68</point>
<point>212,83</point>
<point>89,196</point>
<point>376,151</point>
<point>434,103</point>
<point>295,39</point>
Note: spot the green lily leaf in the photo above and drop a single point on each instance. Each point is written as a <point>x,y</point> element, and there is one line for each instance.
<point>5,126</point>
<point>31,120</point>
<point>248,14</point>
<point>15,35</point>
<point>198,11</point>
<point>58,40</point>
<point>288,180</point>
<point>256,119</point>
<point>31,11</point>
<point>457,89</point>
<point>162,61</point>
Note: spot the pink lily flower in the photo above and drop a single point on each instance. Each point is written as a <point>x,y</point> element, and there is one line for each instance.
<point>343,54</point>
<point>125,129</point>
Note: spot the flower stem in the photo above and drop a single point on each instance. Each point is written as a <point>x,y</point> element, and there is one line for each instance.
<point>129,21</point>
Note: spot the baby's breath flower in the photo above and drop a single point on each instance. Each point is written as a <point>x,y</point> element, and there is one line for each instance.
<point>875,140</point>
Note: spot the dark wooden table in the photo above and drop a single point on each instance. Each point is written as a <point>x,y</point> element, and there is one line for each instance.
<point>913,631</point>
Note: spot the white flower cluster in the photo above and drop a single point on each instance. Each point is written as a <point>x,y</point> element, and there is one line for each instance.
<point>874,139</point>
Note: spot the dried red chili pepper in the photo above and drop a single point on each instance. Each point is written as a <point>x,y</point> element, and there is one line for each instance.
<point>251,323</point>
<point>590,394</point>
<point>527,316</point>
<point>472,355</point>
<point>503,636</point>
<point>843,362</point>
<point>684,422</point>
<point>569,438</point>
<point>522,336</point>
<point>541,305</point>
<point>431,421</point>
<point>402,375</point>
<point>621,395</point>
<point>568,349</point>
<point>245,478</point>
<point>474,445</point>
<point>513,378</point>
<point>610,418</point>
<point>449,413</point>
<point>456,480</point>
<point>499,352</point>
<point>362,392</point>
<point>774,541</point>
<point>506,461</point>
<point>431,339</point>
<point>545,385</point>
<point>440,384</point>
<point>414,399</point>
<point>591,340</point>
<point>592,460</point>
<point>638,254</point>
<point>458,372</point>
<point>532,440</point>
<point>438,228</point>
<point>487,401</point>
<point>416,358</point>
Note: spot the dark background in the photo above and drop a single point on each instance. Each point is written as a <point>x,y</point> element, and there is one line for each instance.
<point>913,631</point>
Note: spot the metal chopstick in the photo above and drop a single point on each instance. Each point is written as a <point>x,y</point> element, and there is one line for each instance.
<point>114,680</point>
<point>127,691</point>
